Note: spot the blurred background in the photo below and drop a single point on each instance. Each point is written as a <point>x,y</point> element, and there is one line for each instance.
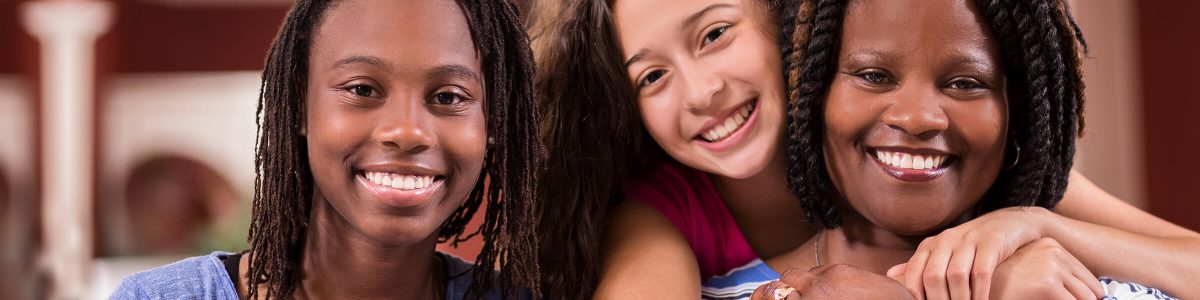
<point>127,128</point>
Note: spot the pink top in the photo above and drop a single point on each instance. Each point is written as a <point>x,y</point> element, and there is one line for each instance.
<point>688,199</point>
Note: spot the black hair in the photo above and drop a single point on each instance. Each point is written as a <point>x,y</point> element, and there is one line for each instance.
<point>284,186</point>
<point>1042,49</point>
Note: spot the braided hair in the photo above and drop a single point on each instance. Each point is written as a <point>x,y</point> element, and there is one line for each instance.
<point>284,186</point>
<point>1041,47</point>
<point>582,79</point>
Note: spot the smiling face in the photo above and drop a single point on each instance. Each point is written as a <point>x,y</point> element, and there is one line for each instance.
<point>395,121</point>
<point>916,115</point>
<point>709,80</point>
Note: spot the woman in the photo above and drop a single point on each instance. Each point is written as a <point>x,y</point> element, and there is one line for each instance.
<point>680,68</point>
<point>380,123</point>
<point>920,114</point>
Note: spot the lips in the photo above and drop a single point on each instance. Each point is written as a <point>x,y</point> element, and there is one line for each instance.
<point>729,129</point>
<point>400,186</point>
<point>912,164</point>
<point>719,131</point>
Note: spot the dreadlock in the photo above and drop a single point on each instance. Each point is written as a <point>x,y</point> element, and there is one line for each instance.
<point>1042,50</point>
<point>284,186</point>
<point>582,79</point>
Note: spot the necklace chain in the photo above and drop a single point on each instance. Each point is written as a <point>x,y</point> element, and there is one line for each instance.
<point>817,247</point>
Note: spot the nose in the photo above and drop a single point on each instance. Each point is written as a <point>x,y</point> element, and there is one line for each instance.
<point>916,111</point>
<point>404,125</point>
<point>704,86</point>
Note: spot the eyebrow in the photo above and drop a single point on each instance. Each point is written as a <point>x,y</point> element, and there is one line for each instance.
<point>636,57</point>
<point>687,22</point>
<point>456,71</point>
<point>691,20</point>
<point>360,59</point>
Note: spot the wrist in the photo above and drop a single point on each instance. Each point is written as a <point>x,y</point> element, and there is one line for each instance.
<point>1049,223</point>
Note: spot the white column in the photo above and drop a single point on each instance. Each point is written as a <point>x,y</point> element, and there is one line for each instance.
<point>67,31</point>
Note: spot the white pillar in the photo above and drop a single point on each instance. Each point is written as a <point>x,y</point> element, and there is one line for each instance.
<point>67,31</point>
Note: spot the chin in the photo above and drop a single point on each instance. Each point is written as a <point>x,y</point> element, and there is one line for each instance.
<point>400,232</point>
<point>912,225</point>
<point>745,164</point>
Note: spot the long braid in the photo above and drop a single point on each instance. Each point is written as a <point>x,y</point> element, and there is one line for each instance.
<point>1043,62</point>
<point>283,185</point>
<point>806,173</point>
<point>508,182</point>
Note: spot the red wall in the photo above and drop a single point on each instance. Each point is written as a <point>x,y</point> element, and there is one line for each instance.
<point>1170,61</point>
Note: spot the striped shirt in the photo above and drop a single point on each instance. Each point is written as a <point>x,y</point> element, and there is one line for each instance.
<point>741,282</point>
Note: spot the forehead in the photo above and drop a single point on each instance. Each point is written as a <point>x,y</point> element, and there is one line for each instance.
<point>645,23</point>
<point>413,35</point>
<point>912,25</point>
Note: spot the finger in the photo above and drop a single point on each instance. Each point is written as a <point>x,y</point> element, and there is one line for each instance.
<point>897,272</point>
<point>958,272</point>
<point>915,268</point>
<point>1085,277</point>
<point>796,278</point>
<point>1079,289</point>
<point>1062,294</point>
<point>987,258</point>
<point>934,277</point>
<point>767,291</point>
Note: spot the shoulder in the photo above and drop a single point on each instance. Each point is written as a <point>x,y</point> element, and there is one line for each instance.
<point>460,278</point>
<point>202,277</point>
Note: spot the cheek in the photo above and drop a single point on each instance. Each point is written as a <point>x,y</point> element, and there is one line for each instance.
<point>984,127</point>
<point>660,116</point>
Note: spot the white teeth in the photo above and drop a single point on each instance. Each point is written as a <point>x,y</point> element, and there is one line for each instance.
<point>729,125</point>
<point>910,161</point>
<point>400,182</point>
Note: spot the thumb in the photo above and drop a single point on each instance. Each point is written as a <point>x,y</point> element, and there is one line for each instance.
<point>897,272</point>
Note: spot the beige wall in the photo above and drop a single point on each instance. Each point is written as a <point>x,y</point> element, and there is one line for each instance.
<point>1110,153</point>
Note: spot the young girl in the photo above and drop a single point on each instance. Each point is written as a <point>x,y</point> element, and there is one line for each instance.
<point>710,191</point>
<point>919,118</point>
<point>383,127</point>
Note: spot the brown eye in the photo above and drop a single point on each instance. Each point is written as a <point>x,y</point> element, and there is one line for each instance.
<point>362,90</point>
<point>446,98</point>
<point>965,84</point>
<point>875,77</point>
<point>651,78</point>
<point>714,34</point>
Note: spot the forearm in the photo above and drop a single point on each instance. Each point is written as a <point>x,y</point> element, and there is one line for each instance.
<point>1157,261</point>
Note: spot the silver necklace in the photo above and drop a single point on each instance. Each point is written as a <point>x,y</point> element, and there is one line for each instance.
<point>817,247</point>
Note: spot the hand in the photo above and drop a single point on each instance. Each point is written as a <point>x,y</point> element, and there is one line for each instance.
<point>959,262</point>
<point>831,282</point>
<point>1044,270</point>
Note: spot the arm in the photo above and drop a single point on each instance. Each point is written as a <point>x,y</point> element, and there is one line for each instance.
<point>1115,239</point>
<point>645,257</point>
<point>1111,238</point>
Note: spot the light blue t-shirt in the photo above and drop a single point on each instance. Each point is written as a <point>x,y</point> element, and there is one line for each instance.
<point>204,277</point>
<point>741,282</point>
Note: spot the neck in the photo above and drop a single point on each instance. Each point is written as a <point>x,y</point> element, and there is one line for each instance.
<point>340,262</point>
<point>858,242</point>
<point>767,213</point>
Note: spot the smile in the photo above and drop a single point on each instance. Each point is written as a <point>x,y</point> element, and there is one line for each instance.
<point>720,131</point>
<point>912,165</point>
<point>911,161</point>
<point>400,181</point>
